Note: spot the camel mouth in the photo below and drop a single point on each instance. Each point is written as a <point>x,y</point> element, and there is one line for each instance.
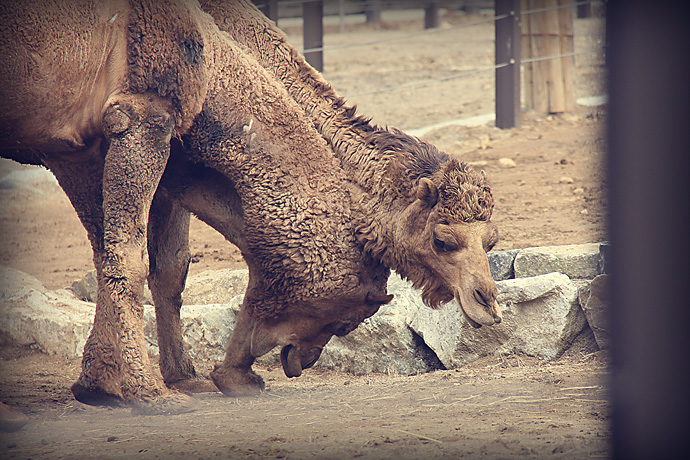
<point>472,322</point>
<point>480,312</point>
<point>291,360</point>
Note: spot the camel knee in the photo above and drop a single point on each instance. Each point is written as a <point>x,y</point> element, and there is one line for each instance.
<point>132,110</point>
<point>167,275</point>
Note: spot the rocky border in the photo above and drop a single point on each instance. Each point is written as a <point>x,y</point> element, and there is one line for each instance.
<point>548,296</point>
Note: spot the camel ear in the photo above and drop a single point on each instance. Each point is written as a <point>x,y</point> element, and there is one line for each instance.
<point>427,191</point>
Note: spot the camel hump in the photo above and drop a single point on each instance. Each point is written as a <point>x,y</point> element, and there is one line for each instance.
<point>63,60</point>
<point>60,62</point>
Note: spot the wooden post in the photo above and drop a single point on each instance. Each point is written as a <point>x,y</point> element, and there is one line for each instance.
<point>567,46</point>
<point>431,15</point>
<point>372,9</point>
<point>549,86</point>
<point>270,9</point>
<point>313,33</point>
<point>584,10</point>
<point>508,50</point>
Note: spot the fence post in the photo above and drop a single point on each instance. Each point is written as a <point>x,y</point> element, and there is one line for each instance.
<point>372,10</point>
<point>270,9</point>
<point>508,45</point>
<point>584,10</point>
<point>312,13</point>
<point>549,83</point>
<point>431,15</point>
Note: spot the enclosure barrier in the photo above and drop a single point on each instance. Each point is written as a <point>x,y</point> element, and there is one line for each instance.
<point>534,34</point>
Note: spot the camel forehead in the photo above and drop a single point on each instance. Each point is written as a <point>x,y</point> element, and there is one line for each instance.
<point>465,195</point>
<point>466,203</point>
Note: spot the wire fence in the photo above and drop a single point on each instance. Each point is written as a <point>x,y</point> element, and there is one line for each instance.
<point>364,5</point>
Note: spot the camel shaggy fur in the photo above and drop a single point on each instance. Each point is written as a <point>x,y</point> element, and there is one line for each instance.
<point>145,112</point>
<point>423,214</point>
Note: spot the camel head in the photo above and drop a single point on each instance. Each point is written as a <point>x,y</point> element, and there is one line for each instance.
<point>304,329</point>
<point>448,232</point>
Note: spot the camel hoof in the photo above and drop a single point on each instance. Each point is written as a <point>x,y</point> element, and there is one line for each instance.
<point>95,396</point>
<point>10,419</point>
<point>194,385</point>
<point>237,382</point>
<point>169,404</point>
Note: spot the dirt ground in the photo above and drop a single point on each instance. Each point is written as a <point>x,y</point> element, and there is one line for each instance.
<point>497,407</point>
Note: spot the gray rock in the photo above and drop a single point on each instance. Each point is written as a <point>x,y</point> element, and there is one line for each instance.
<point>385,342</point>
<point>86,289</point>
<point>440,329</point>
<point>206,329</point>
<point>595,301</point>
<point>501,264</point>
<point>541,317</point>
<point>32,179</point>
<point>55,322</point>
<point>604,251</point>
<point>215,287</point>
<point>575,260</point>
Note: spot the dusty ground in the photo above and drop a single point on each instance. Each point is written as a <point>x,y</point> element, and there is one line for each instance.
<point>495,408</point>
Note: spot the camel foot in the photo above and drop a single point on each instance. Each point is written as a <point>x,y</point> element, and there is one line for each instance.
<point>10,419</point>
<point>194,385</point>
<point>233,381</point>
<point>96,396</point>
<point>169,404</point>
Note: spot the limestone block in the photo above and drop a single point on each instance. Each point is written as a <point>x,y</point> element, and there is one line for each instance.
<point>215,287</point>
<point>56,322</point>
<point>501,264</point>
<point>541,317</point>
<point>595,301</point>
<point>575,260</point>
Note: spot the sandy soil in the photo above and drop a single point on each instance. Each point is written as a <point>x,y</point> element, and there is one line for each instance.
<point>498,407</point>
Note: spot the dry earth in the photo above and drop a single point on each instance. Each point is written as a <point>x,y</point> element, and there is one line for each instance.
<point>498,407</point>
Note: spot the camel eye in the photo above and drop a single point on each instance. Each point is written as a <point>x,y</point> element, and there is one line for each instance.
<point>444,245</point>
<point>439,244</point>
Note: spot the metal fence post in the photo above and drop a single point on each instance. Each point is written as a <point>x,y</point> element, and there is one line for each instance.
<point>313,33</point>
<point>270,9</point>
<point>584,10</point>
<point>508,46</point>
<point>431,15</point>
<point>372,10</point>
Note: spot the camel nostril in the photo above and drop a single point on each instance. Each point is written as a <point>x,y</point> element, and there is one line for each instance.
<point>479,297</point>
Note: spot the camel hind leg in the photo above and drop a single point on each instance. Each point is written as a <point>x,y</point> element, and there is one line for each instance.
<point>168,247</point>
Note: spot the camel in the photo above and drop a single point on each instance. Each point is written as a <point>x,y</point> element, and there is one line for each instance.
<point>427,216</point>
<point>145,112</point>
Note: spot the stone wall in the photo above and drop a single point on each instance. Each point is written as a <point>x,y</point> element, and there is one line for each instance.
<point>548,295</point>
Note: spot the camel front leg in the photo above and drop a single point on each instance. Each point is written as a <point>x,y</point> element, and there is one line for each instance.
<point>81,178</point>
<point>139,129</point>
<point>235,377</point>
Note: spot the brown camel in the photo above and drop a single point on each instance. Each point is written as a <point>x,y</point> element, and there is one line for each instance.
<point>130,96</point>
<point>425,216</point>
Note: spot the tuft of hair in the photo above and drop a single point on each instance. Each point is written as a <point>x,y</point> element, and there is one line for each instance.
<point>465,195</point>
